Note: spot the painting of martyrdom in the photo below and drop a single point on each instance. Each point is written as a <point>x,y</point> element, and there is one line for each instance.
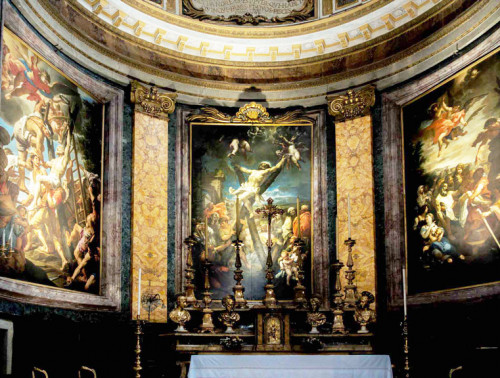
<point>251,163</point>
<point>50,174</point>
<point>452,176</point>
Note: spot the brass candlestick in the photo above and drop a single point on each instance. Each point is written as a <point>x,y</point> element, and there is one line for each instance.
<point>207,324</point>
<point>338,303</point>
<point>406,368</point>
<point>189,276</point>
<point>269,211</point>
<point>138,333</point>
<point>238,289</point>
<point>299,298</point>
<point>351,293</point>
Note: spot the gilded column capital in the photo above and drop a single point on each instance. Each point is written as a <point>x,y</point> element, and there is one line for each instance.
<point>351,105</point>
<point>151,101</point>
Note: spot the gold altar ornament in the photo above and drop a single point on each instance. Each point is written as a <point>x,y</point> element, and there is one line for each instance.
<point>315,318</point>
<point>151,101</point>
<point>269,211</point>
<point>179,315</point>
<point>249,113</point>
<point>189,287</point>
<point>351,105</point>
<point>229,317</point>
<point>364,314</point>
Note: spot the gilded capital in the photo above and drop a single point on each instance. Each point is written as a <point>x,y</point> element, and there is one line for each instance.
<point>351,105</point>
<point>151,101</point>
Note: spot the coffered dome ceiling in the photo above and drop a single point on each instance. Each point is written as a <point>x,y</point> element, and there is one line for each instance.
<point>335,45</point>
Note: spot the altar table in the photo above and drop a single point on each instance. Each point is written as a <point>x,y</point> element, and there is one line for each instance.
<point>293,366</point>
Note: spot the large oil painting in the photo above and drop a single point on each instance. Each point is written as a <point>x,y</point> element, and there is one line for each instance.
<point>248,164</point>
<point>452,181</point>
<point>50,175</point>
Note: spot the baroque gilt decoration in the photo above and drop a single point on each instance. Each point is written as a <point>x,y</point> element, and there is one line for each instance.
<point>151,101</point>
<point>351,105</point>
<point>249,113</point>
<point>301,14</point>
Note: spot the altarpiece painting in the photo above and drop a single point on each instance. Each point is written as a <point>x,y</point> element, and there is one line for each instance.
<point>51,131</point>
<point>451,142</point>
<point>235,169</point>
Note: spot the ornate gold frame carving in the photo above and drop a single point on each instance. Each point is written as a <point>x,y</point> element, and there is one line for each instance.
<point>152,102</point>
<point>249,113</point>
<point>353,104</point>
<point>302,14</point>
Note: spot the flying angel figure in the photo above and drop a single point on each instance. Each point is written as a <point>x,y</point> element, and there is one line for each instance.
<point>290,149</point>
<point>241,146</point>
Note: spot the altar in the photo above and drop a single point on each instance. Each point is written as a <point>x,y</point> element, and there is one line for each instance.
<point>263,366</point>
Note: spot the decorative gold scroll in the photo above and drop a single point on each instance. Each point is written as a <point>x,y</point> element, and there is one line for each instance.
<point>249,113</point>
<point>301,14</point>
<point>351,105</point>
<point>151,101</point>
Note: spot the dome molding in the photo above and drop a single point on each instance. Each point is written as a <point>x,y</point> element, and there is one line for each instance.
<point>200,90</point>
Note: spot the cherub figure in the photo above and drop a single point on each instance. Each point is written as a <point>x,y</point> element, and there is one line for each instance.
<point>315,318</point>
<point>229,317</point>
<point>290,149</point>
<point>364,314</point>
<point>179,315</point>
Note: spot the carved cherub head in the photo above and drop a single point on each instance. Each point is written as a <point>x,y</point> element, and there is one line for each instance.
<point>181,300</point>
<point>228,303</point>
<point>365,300</point>
<point>315,302</point>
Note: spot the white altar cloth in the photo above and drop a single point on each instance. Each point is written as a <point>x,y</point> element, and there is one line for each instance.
<point>290,366</point>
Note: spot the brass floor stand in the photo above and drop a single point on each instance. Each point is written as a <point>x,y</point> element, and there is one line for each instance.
<point>138,333</point>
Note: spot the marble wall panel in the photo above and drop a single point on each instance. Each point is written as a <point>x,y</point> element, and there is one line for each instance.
<point>354,163</point>
<point>149,214</point>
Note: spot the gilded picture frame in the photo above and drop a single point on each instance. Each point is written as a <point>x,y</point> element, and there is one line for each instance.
<point>211,117</point>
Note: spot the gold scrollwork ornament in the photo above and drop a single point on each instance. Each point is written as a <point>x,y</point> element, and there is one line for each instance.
<point>151,101</point>
<point>351,105</point>
<point>249,113</point>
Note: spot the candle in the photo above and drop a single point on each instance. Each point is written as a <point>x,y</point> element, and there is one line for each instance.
<point>206,238</point>
<point>139,294</point>
<point>237,218</point>
<point>3,239</point>
<point>404,291</point>
<point>348,216</point>
<point>337,236</point>
<point>298,217</point>
<point>10,234</point>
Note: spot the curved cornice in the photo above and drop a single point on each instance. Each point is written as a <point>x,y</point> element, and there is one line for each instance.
<point>429,38</point>
<point>271,44</point>
<point>260,32</point>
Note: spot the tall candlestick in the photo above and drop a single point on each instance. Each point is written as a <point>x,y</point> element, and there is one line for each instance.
<point>139,294</point>
<point>298,217</point>
<point>348,216</point>
<point>404,291</point>
<point>238,218</point>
